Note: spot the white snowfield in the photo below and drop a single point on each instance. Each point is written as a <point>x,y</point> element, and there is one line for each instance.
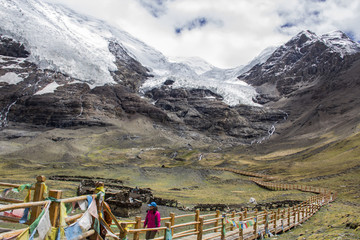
<point>77,45</point>
<point>11,78</point>
<point>63,40</point>
<point>50,88</point>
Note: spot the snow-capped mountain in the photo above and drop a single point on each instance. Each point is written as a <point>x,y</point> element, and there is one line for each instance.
<point>197,64</point>
<point>62,40</point>
<point>339,42</point>
<point>61,69</point>
<point>302,58</point>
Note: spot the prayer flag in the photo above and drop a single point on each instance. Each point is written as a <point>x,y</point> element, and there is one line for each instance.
<point>168,234</point>
<point>24,218</point>
<point>89,199</point>
<point>63,214</point>
<point>5,192</point>
<point>34,225</point>
<point>73,231</point>
<point>85,221</point>
<point>24,235</point>
<point>44,224</point>
<point>93,209</point>
<point>53,234</point>
<point>83,205</point>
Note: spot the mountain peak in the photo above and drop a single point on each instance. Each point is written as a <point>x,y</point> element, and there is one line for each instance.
<point>339,42</point>
<point>307,33</point>
<point>304,56</point>
<point>303,38</point>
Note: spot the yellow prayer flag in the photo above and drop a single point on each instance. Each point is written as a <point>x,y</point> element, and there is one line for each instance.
<point>52,234</point>
<point>24,235</point>
<point>63,214</point>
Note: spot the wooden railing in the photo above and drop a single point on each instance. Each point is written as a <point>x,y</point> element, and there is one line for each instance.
<point>37,205</point>
<point>245,224</point>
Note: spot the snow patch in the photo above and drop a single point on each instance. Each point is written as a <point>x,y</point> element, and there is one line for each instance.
<point>340,43</point>
<point>199,65</point>
<point>50,88</point>
<point>12,66</point>
<point>11,78</point>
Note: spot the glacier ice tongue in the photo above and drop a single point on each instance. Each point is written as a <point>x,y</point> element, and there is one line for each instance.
<point>62,40</point>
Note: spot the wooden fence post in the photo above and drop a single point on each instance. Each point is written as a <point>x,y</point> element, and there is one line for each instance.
<point>197,219</point>
<point>172,221</point>
<point>289,217</point>
<point>232,225</point>
<point>55,207</point>
<point>241,231</point>
<point>278,213</point>
<point>223,227</point>
<point>137,226</point>
<point>298,214</point>
<point>38,196</point>
<point>303,214</point>
<point>200,229</point>
<point>245,213</point>
<point>255,224</point>
<point>266,221</point>
<point>275,214</point>
<point>123,231</point>
<point>217,221</point>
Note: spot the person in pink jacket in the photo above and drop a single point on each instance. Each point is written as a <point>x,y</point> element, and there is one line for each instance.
<point>152,220</point>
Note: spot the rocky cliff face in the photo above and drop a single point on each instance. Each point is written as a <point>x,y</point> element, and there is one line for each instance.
<point>49,98</point>
<point>299,63</point>
<point>314,79</point>
<point>204,110</point>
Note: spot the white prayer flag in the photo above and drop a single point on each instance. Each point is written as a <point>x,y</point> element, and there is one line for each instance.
<point>85,221</point>
<point>82,205</point>
<point>44,224</point>
<point>93,210</point>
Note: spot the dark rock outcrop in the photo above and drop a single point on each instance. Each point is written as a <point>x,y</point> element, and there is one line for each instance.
<point>11,48</point>
<point>204,110</point>
<point>71,103</point>
<point>129,73</point>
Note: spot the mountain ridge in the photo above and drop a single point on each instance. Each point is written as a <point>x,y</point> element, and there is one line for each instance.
<point>306,78</point>
<point>213,103</point>
<point>59,39</point>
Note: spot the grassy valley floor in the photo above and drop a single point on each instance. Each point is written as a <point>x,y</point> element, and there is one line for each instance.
<point>184,171</point>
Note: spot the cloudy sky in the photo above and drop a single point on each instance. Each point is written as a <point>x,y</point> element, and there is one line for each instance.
<point>226,33</point>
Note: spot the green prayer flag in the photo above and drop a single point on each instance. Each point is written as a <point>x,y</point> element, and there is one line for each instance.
<point>68,207</point>
<point>168,234</point>
<point>36,222</point>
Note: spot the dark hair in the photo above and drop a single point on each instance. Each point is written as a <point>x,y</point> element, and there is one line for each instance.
<point>155,209</point>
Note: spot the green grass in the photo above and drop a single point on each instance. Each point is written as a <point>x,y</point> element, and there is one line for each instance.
<point>332,163</point>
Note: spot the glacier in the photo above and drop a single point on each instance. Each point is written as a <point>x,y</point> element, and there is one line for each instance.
<point>76,45</point>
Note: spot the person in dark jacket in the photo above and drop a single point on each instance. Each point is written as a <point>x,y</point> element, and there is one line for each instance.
<point>152,220</point>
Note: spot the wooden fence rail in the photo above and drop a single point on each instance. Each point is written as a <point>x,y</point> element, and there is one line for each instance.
<point>235,225</point>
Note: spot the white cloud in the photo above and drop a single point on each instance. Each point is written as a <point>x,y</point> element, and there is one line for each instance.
<point>244,27</point>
